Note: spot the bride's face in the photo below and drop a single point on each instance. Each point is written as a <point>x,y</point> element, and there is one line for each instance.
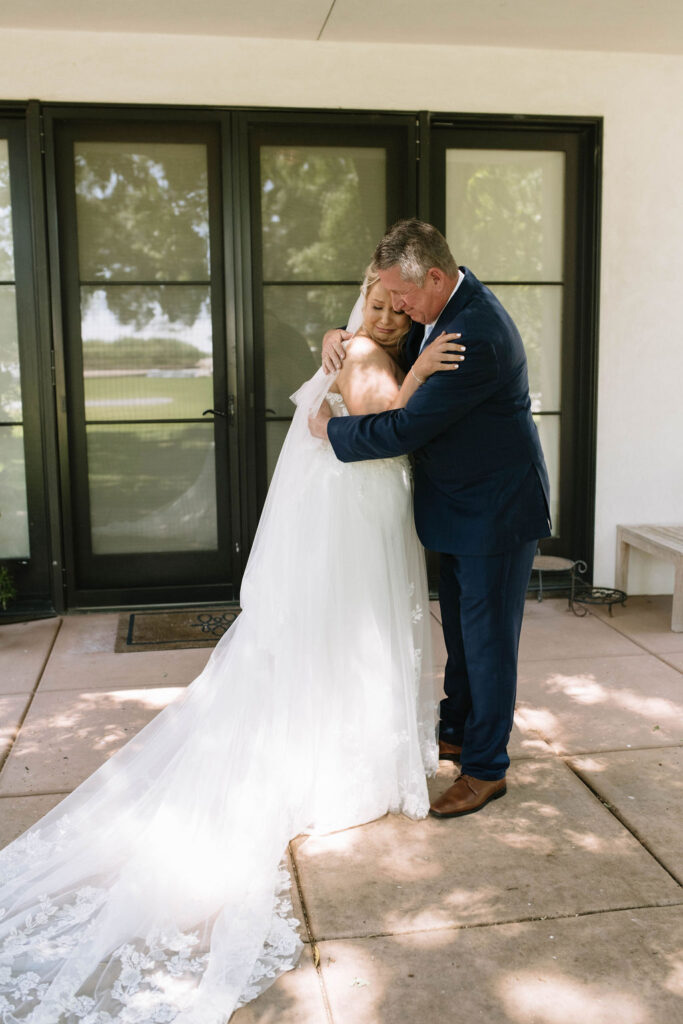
<point>381,322</point>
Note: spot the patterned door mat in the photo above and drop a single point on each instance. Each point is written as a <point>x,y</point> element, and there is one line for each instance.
<point>173,630</point>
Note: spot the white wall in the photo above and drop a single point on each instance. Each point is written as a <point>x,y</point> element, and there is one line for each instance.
<point>640,426</point>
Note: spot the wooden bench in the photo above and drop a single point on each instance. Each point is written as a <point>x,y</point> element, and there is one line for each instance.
<point>662,542</point>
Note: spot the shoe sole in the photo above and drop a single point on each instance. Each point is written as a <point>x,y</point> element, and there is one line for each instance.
<point>451,758</point>
<point>472,810</point>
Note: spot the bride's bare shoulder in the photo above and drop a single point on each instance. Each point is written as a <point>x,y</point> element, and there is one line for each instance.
<point>361,349</point>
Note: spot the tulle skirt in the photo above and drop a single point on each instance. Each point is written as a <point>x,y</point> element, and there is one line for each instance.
<point>156,891</point>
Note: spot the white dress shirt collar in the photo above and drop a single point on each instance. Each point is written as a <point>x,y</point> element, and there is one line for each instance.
<point>430,327</point>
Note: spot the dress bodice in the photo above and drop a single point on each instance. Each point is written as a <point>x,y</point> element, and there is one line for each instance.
<point>336,403</point>
<point>398,464</point>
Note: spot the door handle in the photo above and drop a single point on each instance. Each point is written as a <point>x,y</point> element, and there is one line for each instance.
<point>229,415</point>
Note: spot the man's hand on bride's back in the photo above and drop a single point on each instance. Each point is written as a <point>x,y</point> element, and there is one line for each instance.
<point>333,349</point>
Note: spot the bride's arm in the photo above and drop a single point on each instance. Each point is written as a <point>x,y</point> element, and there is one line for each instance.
<point>440,354</point>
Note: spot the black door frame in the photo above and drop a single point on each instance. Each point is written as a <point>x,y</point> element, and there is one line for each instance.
<point>61,122</point>
<point>51,500</point>
<point>38,577</point>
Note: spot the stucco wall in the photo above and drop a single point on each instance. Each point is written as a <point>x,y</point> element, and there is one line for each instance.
<point>640,422</point>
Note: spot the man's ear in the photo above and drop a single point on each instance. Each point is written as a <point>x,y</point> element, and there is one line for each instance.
<point>436,276</point>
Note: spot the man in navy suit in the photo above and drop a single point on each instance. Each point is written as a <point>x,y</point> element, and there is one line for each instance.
<point>481,492</point>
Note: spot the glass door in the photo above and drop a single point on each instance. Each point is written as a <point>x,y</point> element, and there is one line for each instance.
<point>26,424</point>
<point>322,195</point>
<point>14,523</point>
<point>505,213</point>
<point>511,206</point>
<point>149,408</point>
<point>197,258</point>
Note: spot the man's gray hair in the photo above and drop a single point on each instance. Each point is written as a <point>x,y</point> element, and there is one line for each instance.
<point>414,247</point>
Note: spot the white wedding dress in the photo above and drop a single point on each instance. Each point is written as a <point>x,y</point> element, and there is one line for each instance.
<point>157,891</point>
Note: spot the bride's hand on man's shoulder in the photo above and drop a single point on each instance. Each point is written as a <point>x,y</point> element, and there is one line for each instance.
<point>333,352</point>
<point>444,353</point>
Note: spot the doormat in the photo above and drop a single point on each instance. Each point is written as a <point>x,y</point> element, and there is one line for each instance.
<point>173,630</point>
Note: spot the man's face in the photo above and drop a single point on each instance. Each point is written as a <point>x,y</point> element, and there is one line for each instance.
<point>421,304</point>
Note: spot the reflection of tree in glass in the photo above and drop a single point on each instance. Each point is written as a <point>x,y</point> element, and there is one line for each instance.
<point>10,381</point>
<point>295,320</point>
<point>499,202</point>
<point>318,215</point>
<point>289,362</point>
<point>132,353</point>
<point>14,541</point>
<point>6,243</point>
<point>165,310</point>
<point>135,471</point>
<point>537,312</point>
<point>142,213</point>
<point>525,306</point>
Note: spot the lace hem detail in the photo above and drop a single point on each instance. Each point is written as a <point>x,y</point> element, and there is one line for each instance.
<point>150,982</point>
<point>282,947</point>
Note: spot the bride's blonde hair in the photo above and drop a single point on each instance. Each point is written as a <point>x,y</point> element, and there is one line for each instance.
<point>370,279</point>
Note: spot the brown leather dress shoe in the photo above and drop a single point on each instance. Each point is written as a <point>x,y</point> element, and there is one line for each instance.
<point>466,796</point>
<point>449,752</point>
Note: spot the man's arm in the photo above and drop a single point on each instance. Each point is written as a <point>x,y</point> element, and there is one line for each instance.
<point>441,401</point>
<point>367,381</point>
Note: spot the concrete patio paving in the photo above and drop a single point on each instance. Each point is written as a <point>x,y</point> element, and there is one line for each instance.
<point>562,903</point>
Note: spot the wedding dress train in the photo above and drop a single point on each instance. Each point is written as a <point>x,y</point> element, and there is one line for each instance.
<point>157,892</point>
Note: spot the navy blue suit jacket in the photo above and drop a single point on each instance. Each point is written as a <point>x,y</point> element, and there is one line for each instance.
<point>481,484</point>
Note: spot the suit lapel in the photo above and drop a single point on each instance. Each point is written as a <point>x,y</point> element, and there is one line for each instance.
<point>413,342</point>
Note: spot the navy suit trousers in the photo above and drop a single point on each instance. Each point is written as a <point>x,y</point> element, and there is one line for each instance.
<point>482,604</point>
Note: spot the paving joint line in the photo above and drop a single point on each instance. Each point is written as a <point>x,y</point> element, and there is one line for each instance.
<point>4,759</point>
<point>654,654</point>
<point>324,24</point>
<point>115,688</point>
<point>311,938</point>
<point>618,750</point>
<point>584,657</point>
<point>663,657</point>
<point>564,759</point>
<point>40,792</point>
<point>550,918</point>
<point>622,820</point>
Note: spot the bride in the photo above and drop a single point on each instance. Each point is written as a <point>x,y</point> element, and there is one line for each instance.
<point>156,892</point>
